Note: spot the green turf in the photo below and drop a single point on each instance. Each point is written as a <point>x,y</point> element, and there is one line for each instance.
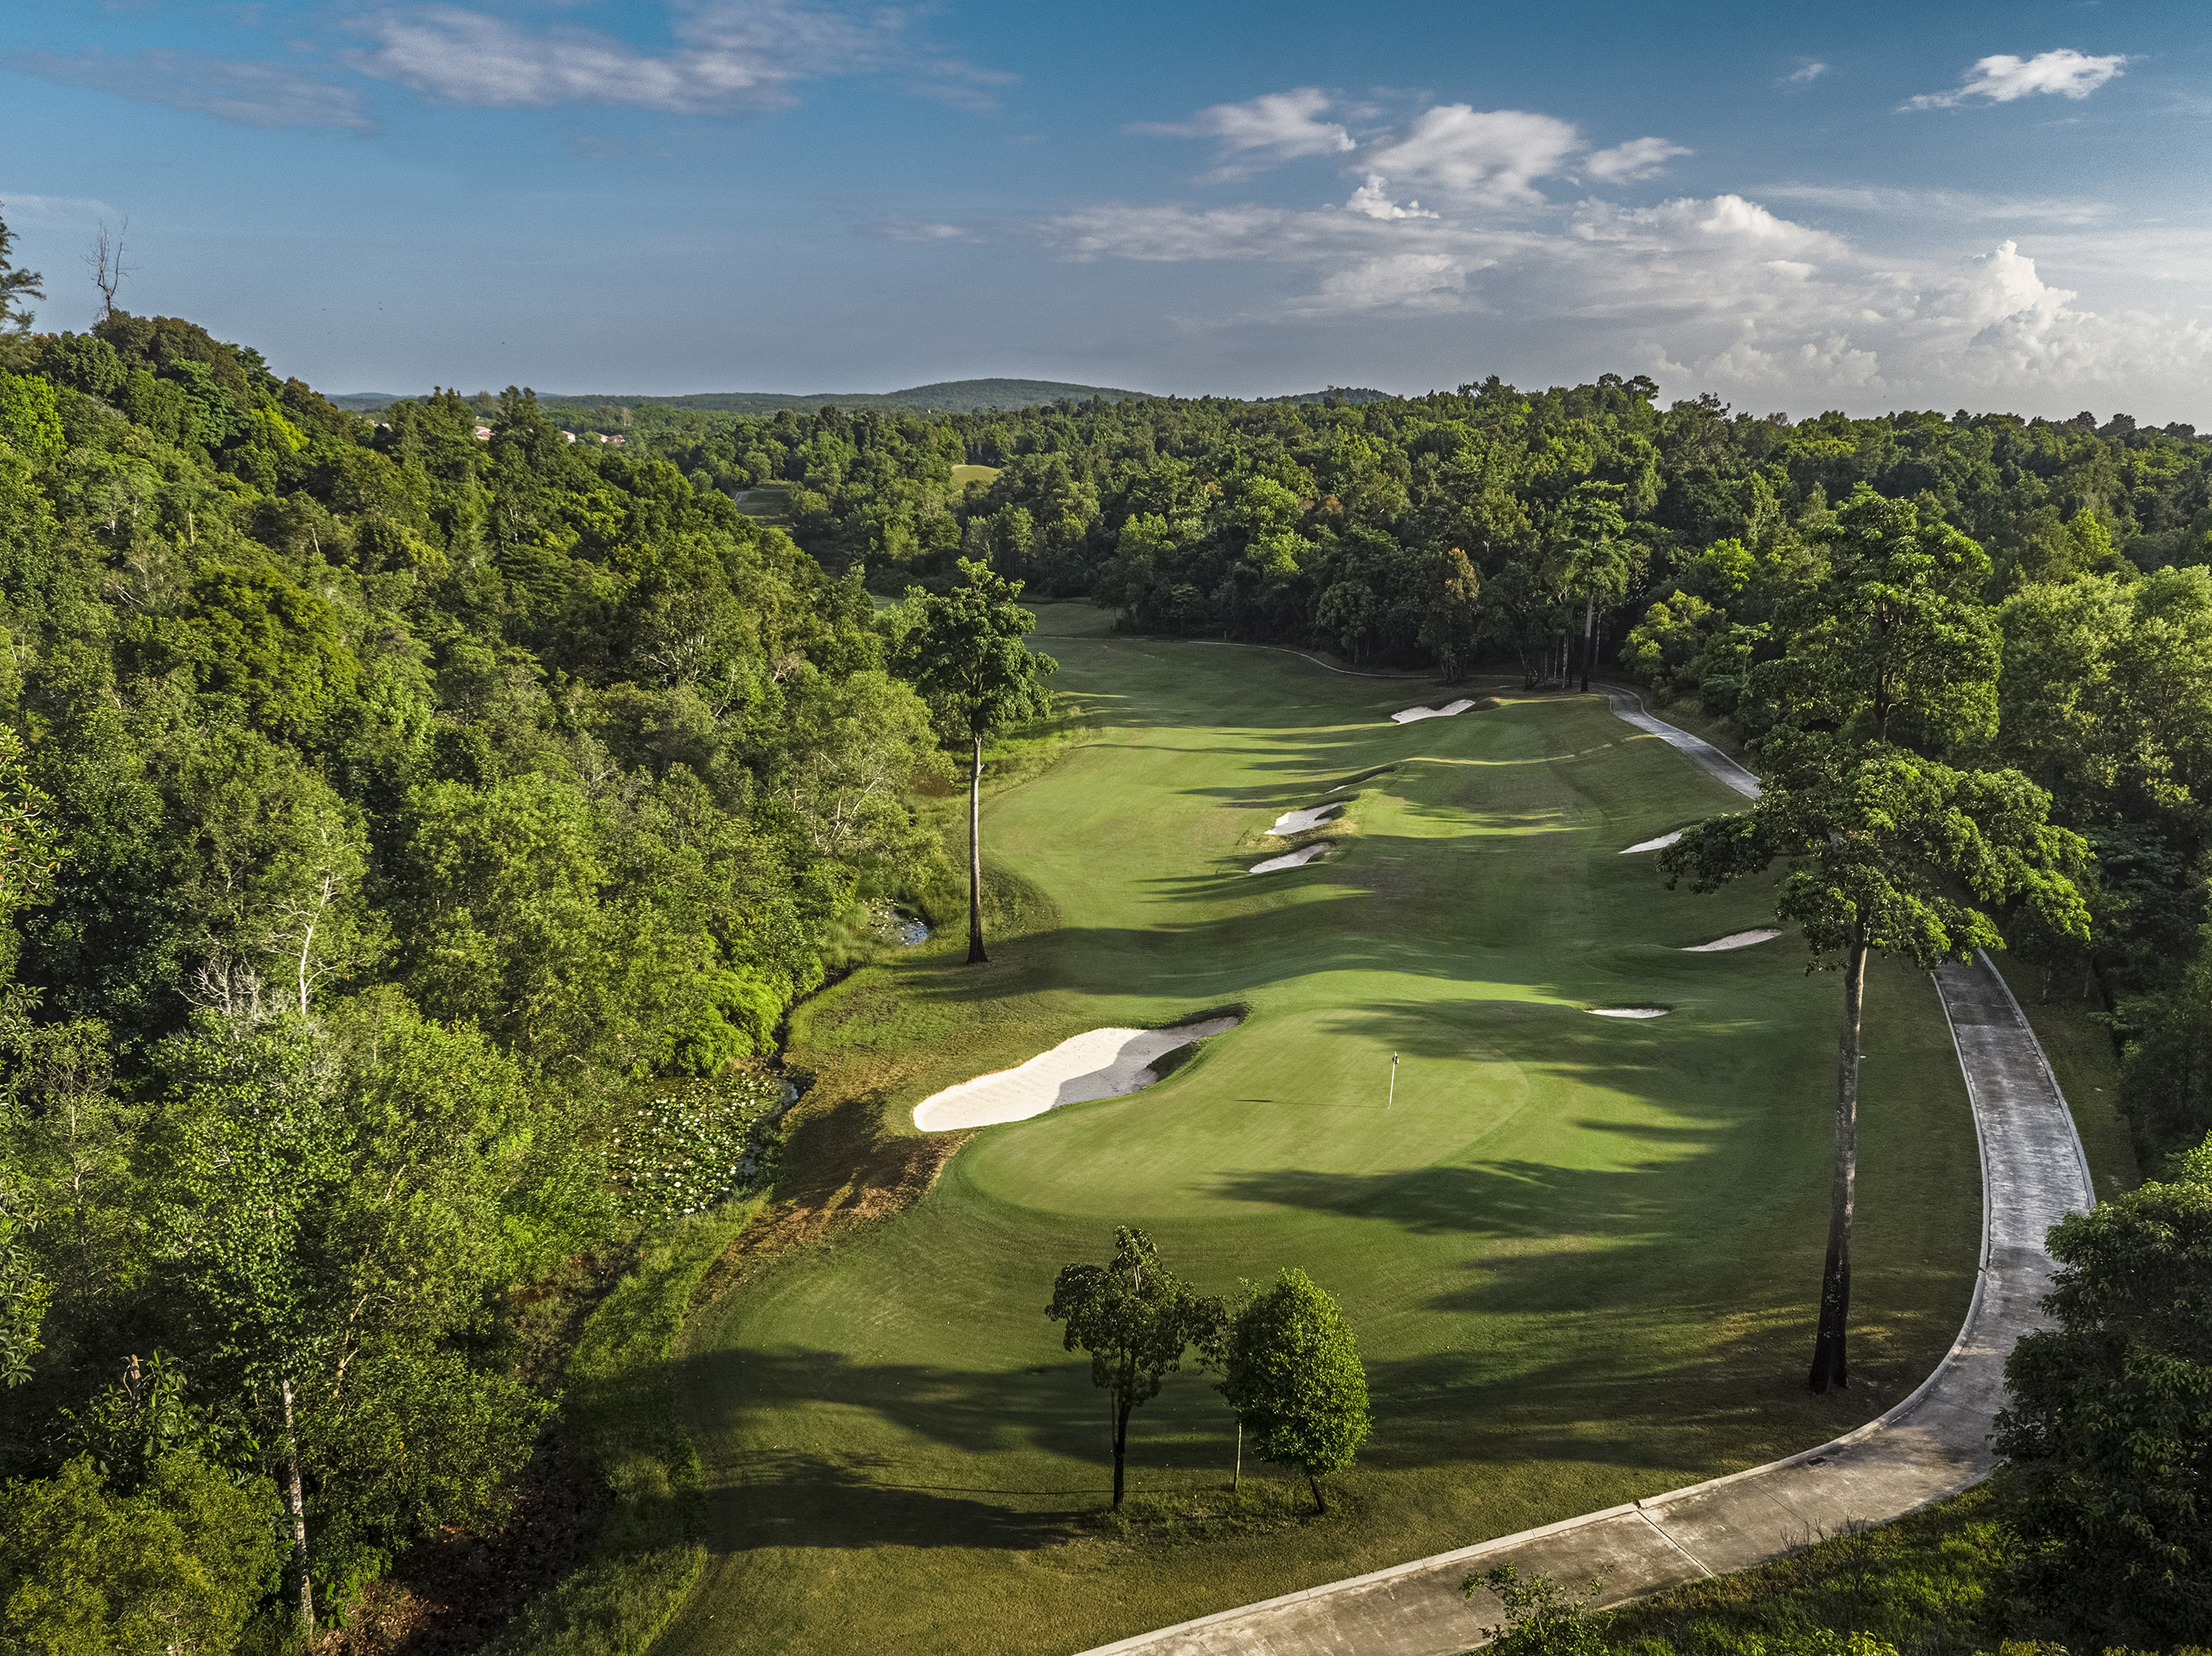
<point>1579,1254</point>
<point>971,474</point>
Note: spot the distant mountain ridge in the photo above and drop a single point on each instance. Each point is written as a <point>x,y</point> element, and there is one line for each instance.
<point>949,396</point>
<point>945,396</point>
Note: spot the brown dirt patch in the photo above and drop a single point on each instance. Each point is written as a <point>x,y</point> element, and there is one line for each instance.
<point>452,1594</point>
<point>840,1170</point>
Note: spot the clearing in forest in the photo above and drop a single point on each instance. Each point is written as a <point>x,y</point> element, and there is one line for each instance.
<point>1579,1254</point>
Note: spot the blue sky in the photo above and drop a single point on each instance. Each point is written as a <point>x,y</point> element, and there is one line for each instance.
<point>1797,206</point>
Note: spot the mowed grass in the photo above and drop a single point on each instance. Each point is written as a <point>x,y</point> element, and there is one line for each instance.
<point>1579,1254</point>
<point>964,475</point>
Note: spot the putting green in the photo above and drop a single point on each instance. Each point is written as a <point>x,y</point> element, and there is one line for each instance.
<point>1579,1253</point>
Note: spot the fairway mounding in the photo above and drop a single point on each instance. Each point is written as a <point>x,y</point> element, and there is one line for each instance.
<point>898,1454</point>
<point>1659,843</point>
<point>1364,776</point>
<point>1735,940</point>
<point>1297,821</point>
<point>1410,715</point>
<point>1098,1063</point>
<point>1298,858</point>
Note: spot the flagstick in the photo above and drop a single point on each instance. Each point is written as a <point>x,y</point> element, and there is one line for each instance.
<point>1393,1099</point>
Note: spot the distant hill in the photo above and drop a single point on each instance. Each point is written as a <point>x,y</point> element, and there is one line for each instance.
<point>1339,394</point>
<point>949,396</point>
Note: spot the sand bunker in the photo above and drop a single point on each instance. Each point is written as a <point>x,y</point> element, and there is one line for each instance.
<point>1659,843</point>
<point>1101,1063</point>
<point>1627,1011</point>
<point>1736,940</point>
<point>1407,716</point>
<point>1297,821</point>
<point>1298,858</point>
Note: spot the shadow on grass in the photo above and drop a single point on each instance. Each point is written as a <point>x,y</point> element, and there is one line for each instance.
<point>1652,1415</point>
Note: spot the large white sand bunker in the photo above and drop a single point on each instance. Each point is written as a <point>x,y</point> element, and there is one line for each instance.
<point>1627,1011</point>
<point>1736,940</point>
<point>1659,843</point>
<point>1408,715</point>
<point>1297,821</point>
<point>1298,858</point>
<point>1101,1063</point>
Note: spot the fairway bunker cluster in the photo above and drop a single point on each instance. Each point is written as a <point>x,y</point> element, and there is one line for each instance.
<point>1098,1063</point>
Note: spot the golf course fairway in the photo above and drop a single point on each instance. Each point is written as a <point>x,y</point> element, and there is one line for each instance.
<point>1579,1254</point>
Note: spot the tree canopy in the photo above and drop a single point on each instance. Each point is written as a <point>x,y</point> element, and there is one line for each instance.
<point>1294,1377</point>
<point>1137,1319</point>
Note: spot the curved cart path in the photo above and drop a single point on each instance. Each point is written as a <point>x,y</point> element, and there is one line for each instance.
<point>1934,1444</point>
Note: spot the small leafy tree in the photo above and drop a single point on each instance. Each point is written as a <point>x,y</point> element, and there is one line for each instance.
<point>1136,1320</point>
<point>1543,1619</point>
<point>2109,1432</point>
<point>1295,1380</point>
<point>964,651</point>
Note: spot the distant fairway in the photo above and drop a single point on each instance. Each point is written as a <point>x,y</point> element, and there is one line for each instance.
<point>1579,1254</point>
<point>964,474</point>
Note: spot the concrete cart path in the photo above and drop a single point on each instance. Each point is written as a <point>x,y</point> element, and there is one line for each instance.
<point>1934,1444</point>
<point>1628,706</point>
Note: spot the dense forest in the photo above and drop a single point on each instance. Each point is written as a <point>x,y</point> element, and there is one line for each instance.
<point>382,807</point>
<point>392,818</point>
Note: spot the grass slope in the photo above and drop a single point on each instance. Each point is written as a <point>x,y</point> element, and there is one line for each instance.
<point>1579,1254</point>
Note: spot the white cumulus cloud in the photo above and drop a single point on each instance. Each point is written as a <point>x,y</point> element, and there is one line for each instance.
<point>1488,157</point>
<point>2000,79</point>
<point>1717,292</point>
<point>1373,198</point>
<point>1639,158</point>
<point>1260,132</point>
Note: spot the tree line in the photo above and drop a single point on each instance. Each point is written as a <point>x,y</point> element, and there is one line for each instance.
<point>379,808</point>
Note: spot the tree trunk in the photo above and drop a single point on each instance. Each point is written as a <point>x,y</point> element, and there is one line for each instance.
<point>1236,1476</point>
<point>295,1506</point>
<point>976,954</point>
<point>1321,1505</point>
<point>1829,1367</point>
<point>1590,637</point>
<point>1120,1447</point>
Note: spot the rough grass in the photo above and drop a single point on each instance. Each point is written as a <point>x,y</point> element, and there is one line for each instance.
<point>1579,1255</point>
<point>1932,1584</point>
<point>620,1406</point>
